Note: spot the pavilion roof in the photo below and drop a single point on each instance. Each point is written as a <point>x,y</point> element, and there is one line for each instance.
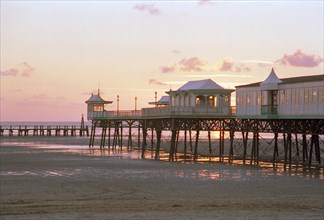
<point>200,85</point>
<point>96,99</point>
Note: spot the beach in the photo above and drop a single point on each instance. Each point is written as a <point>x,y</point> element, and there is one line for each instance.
<point>61,178</point>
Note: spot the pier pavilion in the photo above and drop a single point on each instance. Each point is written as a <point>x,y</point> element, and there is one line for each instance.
<point>290,109</point>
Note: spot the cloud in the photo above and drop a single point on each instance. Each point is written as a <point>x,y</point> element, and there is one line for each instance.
<point>27,70</point>
<point>149,8</point>
<point>24,69</point>
<point>168,69</point>
<point>228,65</point>
<point>11,72</point>
<point>175,51</point>
<point>41,96</point>
<point>195,64</point>
<point>156,82</point>
<point>192,64</point>
<point>300,59</point>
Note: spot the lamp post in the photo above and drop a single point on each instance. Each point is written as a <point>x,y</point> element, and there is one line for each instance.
<point>155,98</point>
<point>135,103</point>
<point>117,104</point>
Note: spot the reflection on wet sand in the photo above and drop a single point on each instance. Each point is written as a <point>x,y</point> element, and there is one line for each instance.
<point>243,171</point>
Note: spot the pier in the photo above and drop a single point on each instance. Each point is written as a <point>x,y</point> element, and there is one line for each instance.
<point>39,130</point>
<point>290,110</point>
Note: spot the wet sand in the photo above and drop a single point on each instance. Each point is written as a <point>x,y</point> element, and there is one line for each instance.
<point>43,181</point>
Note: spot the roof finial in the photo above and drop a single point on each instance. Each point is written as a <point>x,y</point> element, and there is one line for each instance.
<point>98,87</point>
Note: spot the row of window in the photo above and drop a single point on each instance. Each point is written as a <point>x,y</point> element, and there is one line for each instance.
<point>295,96</point>
<point>200,100</point>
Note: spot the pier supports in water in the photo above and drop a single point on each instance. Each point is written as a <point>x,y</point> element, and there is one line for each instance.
<point>235,139</point>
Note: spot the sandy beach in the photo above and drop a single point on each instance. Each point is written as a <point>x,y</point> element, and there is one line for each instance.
<point>53,180</point>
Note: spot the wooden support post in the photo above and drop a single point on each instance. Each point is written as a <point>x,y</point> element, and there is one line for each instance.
<point>144,143</point>
<point>285,149</point>
<point>129,142</point>
<point>289,148</point>
<point>172,146</point>
<point>297,147</point>
<point>190,140</point>
<point>152,138</point>
<point>139,135</point>
<point>196,146</point>
<point>231,151</point>
<point>245,141</point>
<point>121,136</point>
<point>255,149</point>
<point>317,149</point>
<point>176,145</point>
<point>305,150</point>
<point>49,131</point>
<point>209,143</point>
<point>93,133</point>
<point>10,131</point>
<point>221,136</point>
<point>275,149</point>
<point>26,131</point>
<point>158,143</point>
<point>311,151</point>
<point>185,144</point>
<point>103,136</point>
<point>109,134</point>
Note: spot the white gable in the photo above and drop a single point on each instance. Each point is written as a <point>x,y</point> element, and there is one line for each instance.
<point>200,84</point>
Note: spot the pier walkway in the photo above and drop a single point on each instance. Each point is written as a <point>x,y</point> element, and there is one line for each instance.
<point>39,130</point>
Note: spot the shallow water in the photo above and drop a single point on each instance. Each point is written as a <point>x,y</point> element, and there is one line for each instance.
<point>235,170</point>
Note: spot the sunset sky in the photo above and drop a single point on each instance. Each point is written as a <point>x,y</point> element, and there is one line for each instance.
<point>54,54</point>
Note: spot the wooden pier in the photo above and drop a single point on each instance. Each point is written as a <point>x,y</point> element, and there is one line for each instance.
<point>300,140</point>
<point>39,130</point>
<point>294,120</point>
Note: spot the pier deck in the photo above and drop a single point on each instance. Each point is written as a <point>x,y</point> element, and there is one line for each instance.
<point>39,130</point>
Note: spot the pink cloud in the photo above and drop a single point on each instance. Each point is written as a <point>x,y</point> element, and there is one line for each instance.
<point>24,69</point>
<point>192,64</point>
<point>226,65</point>
<point>300,59</point>
<point>27,69</point>
<point>156,82</point>
<point>168,69</point>
<point>195,64</point>
<point>149,8</point>
<point>175,51</point>
<point>11,72</point>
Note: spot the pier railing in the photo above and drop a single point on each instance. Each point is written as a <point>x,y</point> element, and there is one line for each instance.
<point>186,111</point>
<point>169,111</point>
<point>115,114</point>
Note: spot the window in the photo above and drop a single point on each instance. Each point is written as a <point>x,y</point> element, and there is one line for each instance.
<point>310,95</point>
<point>295,96</point>
<point>200,100</point>
<point>321,94</point>
<point>264,98</point>
<point>259,98</point>
<point>98,108</point>
<point>282,97</point>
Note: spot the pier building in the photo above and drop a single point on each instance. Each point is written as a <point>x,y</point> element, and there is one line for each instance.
<point>295,97</point>
<point>290,109</point>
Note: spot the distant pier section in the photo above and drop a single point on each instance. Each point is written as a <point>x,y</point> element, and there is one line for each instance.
<point>45,130</point>
<point>25,130</point>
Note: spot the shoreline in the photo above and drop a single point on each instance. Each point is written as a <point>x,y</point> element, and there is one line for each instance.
<point>42,183</point>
